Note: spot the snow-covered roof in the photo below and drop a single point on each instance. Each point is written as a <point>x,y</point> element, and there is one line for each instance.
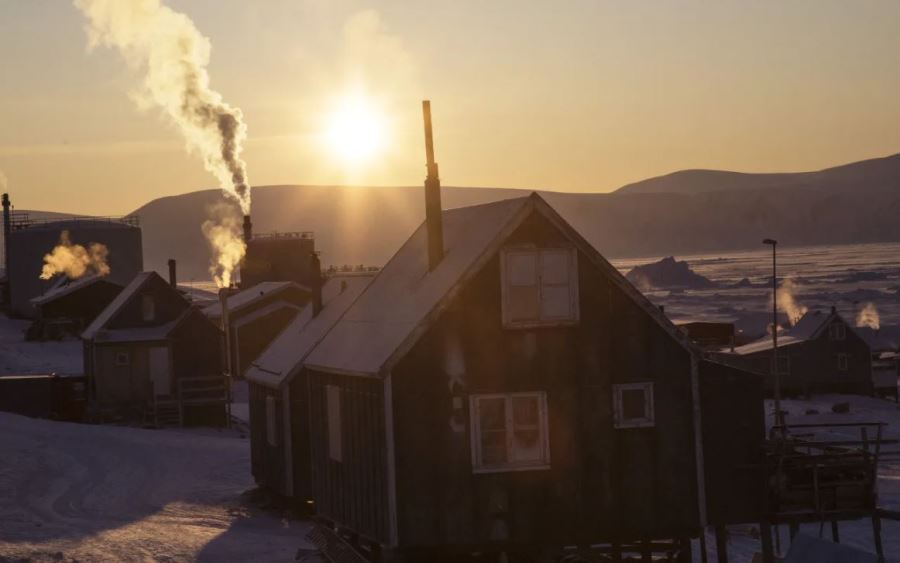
<point>66,286</point>
<point>139,334</point>
<point>284,356</point>
<point>116,305</point>
<point>809,327</point>
<point>249,296</point>
<point>405,297</point>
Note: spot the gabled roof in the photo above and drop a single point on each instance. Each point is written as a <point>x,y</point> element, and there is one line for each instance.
<point>283,358</point>
<point>249,296</point>
<point>66,286</point>
<point>405,298</point>
<point>809,327</point>
<point>117,304</point>
<point>266,311</point>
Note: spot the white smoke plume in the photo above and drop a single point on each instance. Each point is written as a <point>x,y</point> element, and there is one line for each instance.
<point>223,232</point>
<point>174,55</point>
<point>868,316</point>
<point>74,260</point>
<point>788,304</point>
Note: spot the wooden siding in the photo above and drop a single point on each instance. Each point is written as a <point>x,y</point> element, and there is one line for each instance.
<point>603,484</point>
<point>252,338</point>
<point>351,492</point>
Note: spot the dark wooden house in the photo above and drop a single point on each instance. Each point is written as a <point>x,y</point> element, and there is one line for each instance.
<point>822,353</point>
<point>256,315</point>
<point>72,305</point>
<point>506,389</point>
<point>150,353</point>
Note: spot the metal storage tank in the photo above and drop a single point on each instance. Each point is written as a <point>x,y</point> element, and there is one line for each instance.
<point>30,240</point>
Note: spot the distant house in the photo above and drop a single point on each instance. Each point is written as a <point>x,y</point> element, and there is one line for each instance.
<point>709,335</point>
<point>256,315</point>
<point>519,392</point>
<point>822,353</point>
<point>150,353</point>
<point>71,305</point>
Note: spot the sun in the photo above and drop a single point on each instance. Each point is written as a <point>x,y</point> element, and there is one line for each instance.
<point>355,130</point>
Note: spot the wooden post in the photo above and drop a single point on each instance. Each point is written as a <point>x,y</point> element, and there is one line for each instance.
<point>721,544</point>
<point>835,533</point>
<point>765,537</point>
<point>876,531</point>
<point>703,551</point>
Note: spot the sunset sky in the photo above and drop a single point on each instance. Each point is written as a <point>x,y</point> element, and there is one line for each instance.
<point>570,96</point>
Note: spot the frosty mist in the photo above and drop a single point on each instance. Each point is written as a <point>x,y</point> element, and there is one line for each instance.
<point>74,260</point>
<point>788,304</point>
<point>169,48</point>
<point>868,316</point>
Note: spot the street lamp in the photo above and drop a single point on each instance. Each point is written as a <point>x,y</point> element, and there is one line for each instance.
<point>779,419</point>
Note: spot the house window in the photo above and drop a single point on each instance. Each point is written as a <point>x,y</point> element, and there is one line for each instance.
<point>842,362</point>
<point>540,286</point>
<point>837,331</point>
<point>633,405</point>
<point>123,358</point>
<point>271,421</point>
<point>148,308</point>
<point>333,405</point>
<point>509,432</point>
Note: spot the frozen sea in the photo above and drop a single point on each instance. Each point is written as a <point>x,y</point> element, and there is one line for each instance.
<point>844,276</point>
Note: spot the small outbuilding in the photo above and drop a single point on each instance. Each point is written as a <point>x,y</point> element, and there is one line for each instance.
<point>822,353</point>
<point>72,305</point>
<point>151,354</point>
<point>256,315</point>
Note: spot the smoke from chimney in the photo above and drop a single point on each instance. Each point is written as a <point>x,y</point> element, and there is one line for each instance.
<point>175,55</point>
<point>868,316</point>
<point>74,260</point>
<point>788,304</point>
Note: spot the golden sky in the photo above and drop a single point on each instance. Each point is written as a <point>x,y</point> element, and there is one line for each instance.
<point>571,96</point>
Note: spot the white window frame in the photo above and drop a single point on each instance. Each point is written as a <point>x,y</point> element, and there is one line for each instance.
<point>123,358</point>
<point>333,420</point>
<point>843,362</point>
<point>478,466</point>
<point>271,421</point>
<point>837,331</point>
<point>148,307</point>
<point>508,321</point>
<point>619,420</point>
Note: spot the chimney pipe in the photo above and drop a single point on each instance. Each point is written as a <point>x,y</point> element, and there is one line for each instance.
<point>173,279</point>
<point>433,219</point>
<point>315,275</point>
<point>6,230</point>
<point>248,229</point>
<point>224,293</point>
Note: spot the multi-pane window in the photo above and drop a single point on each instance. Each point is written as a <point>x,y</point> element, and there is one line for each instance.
<point>540,286</point>
<point>509,432</point>
<point>633,405</point>
<point>333,407</point>
<point>148,307</point>
<point>842,362</point>
<point>837,331</point>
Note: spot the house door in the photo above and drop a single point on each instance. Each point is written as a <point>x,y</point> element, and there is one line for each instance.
<point>159,370</point>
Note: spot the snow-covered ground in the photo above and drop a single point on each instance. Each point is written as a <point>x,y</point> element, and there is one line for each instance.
<point>20,357</point>
<point>103,493</point>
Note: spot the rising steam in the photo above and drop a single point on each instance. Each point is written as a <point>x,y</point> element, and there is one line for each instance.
<point>74,260</point>
<point>174,54</point>
<point>788,304</point>
<point>223,232</point>
<point>868,316</point>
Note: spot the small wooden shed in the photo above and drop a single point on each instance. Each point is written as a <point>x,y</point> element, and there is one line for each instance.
<point>73,303</point>
<point>150,353</point>
<point>256,315</point>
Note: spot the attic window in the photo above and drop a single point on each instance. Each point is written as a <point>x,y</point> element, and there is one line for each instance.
<point>148,307</point>
<point>509,432</point>
<point>842,362</point>
<point>633,405</point>
<point>837,331</point>
<point>539,286</point>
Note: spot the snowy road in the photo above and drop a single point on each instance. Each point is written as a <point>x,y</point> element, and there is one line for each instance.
<point>101,493</point>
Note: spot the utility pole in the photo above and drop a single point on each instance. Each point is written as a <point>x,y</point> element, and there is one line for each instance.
<point>779,418</point>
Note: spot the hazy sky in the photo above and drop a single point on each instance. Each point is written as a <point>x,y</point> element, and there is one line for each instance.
<point>574,96</point>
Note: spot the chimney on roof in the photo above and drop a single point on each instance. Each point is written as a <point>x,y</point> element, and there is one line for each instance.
<point>6,230</point>
<point>433,219</point>
<point>315,275</point>
<point>173,279</point>
<point>248,229</point>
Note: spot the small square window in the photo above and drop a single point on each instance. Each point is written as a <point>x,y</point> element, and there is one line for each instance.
<point>509,432</point>
<point>123,359</point>
<point>842,362</point>
<point>271,421</point>
<point>633,405</point>
<point>837,331</point>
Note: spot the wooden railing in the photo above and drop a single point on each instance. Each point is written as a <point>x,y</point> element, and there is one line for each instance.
<point>193,391</point>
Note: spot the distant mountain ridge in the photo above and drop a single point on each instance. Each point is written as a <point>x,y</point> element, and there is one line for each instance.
<point>875,174</point>
<point>686,212</point>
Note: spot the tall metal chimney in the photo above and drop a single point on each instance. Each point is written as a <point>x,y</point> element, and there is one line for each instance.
<point>173,279</point>
<point>433,219</point>
<point>6,230</point>
<point>248,229</point>
<point>315,276</point>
